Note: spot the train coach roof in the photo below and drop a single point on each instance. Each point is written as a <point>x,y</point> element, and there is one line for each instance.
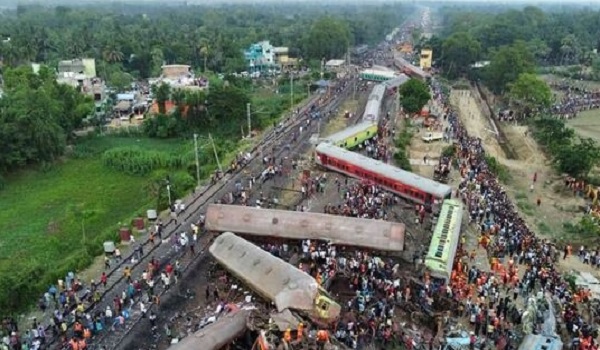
<point>377,92</point>
<point>399,81</point>
<point>348,132</point>
<point>273,278</point>
<point>435,188</point>
<point>372,234</point>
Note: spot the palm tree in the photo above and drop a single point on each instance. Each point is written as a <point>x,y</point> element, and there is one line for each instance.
<point>112,54</point>
<point>205,51</point>
<point>161,93</point>
<point>157,60</point>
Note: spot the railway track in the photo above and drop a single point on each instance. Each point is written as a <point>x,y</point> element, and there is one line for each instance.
<point>166,252</point>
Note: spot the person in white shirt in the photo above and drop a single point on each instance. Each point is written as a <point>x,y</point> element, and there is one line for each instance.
<point>143,309</point>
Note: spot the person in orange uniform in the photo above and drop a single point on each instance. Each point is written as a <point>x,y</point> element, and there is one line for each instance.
<point>300,331</point>
<point>287,335</point>
<point>322,338</point>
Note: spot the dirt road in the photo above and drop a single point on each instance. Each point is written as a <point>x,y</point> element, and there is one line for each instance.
<point>556,207</point>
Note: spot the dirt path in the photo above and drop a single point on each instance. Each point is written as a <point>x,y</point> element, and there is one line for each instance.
<point>557,206</point>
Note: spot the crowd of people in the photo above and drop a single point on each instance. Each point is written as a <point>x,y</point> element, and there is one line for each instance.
<point>68,302</point>
<point>570,101</point>
<point>574,99</point>
<point>522,264</point>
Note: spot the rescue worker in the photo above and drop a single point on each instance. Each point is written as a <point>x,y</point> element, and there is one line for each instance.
<point>78,329</point>
<point>322,338</point>
<point>287,335</point>
<point>300,331</point>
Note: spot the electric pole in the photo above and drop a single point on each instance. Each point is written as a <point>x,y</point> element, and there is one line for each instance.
<point>249,120</point>
<point>169,191</point>
<point>292,91</point>
<point>215,151</point>
<point>197,159</point>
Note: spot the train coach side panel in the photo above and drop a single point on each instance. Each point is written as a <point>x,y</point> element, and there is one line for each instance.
<point>269,276</point>
<point>373,234</point>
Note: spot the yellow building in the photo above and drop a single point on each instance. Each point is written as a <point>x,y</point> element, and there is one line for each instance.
<point>426,58</point>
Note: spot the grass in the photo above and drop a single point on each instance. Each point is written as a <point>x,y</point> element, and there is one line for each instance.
<point>587,124</point>
<point>42,235</point>
<point>525,207</point>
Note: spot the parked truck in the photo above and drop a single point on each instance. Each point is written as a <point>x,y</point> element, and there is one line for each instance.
<point>433,136</point>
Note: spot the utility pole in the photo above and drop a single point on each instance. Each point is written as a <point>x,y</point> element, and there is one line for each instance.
<point>169,191</point>
<point>215,151</point>
<point>292,91</point>
<point>197,159</point>
<point>249,120</point>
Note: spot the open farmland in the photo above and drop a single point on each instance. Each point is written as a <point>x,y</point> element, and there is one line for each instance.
<point>42,233</point>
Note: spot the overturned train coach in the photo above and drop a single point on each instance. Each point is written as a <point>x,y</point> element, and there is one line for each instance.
<point>377,235</point>
<point>274,279</point>
<point>403,183</point>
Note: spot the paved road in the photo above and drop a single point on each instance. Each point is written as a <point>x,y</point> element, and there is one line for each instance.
<point>165,252</point>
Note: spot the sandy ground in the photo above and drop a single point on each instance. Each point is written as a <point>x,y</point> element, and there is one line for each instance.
<point>557,206</point>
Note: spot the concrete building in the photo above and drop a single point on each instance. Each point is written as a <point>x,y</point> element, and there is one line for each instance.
<point>80,74</point>
<point>174,71</point>
<point>85,66</point>
<point>264,56</point>
<point>180,76</point>
<point>426,59</point>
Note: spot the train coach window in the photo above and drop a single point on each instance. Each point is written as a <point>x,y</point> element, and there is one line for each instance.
<point>324,306</point>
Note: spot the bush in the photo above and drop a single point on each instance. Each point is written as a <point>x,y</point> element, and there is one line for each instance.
<point>449,151</point>
<point>402,161</point>
<point>137,161</point>
<point>499,170</point>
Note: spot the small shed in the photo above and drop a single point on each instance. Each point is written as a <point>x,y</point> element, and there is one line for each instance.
<point>126,97</point>
<point>334,64</point>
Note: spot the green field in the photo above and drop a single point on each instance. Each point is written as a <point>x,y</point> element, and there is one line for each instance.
<point>587,124</point>
<point>42,236</point>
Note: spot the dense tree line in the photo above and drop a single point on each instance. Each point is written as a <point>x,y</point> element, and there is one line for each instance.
<point>37,117</point>
<point>139,39</point>
<point>515,42</point>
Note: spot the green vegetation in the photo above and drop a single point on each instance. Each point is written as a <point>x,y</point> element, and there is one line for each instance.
<point>136,39</point>
<point>414,95</point>
<point>587,227</point>
<point>570,154</point>
<point>515,41</point>
<point>529,93</point>
<point>498,169</point>
<point>449,151</point>
<point>37,117</point>
<point>43,238</point>
<point>402,143</point>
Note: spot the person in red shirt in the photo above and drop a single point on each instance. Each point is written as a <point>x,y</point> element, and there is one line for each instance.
<point>103,279</point>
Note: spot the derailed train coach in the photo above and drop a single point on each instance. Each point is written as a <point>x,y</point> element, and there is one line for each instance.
<point>274,279</point>
<point>405,184</point>
<point>369,125</point>
<point>377,235</point>
<point>373,107</point>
